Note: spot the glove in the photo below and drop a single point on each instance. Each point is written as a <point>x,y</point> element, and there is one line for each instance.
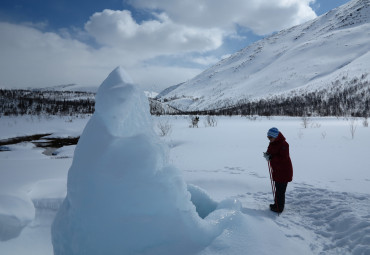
<point>267,156</point>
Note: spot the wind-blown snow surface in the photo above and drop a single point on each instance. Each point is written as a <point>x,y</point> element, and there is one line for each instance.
<point>309,56</point>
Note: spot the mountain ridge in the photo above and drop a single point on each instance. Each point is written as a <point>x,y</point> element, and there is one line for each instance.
<point>306,57</point>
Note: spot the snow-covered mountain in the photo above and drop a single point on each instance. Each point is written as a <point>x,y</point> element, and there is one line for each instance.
<point>68,87</point>
<point>313,56</point>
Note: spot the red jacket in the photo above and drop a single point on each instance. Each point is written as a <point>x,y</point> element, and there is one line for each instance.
<point>282,168</point>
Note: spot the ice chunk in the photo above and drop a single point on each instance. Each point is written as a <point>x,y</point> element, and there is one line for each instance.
<point>15,213</point>
<point>122,196</point>
<point>203,202</point>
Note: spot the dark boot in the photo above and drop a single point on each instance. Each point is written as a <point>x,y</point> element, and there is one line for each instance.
<point>275,208</point>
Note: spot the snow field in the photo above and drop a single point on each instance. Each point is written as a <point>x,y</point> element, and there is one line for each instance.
<point>327,203</point>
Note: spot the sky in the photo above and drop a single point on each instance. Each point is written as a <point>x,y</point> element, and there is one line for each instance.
<point>160,43</point>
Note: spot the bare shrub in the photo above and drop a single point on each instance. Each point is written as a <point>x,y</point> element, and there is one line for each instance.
<point>165,128</point>
<point>210,121</point>
<point>365,122</point>
<point>253,118</point>
<point>315,125</point>
<point>323,135</point>
<point>305,121</point>
<point>352,127</point>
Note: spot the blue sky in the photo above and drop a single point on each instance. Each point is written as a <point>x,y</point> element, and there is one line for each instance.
<point>159,42</point>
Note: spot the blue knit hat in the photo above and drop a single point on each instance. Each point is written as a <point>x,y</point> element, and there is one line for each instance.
<point>273,132</point>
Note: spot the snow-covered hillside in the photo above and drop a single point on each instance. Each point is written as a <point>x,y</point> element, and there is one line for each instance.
<point>311,56</point>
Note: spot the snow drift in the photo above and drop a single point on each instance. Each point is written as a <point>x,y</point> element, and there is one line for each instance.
<point>16,211</point>
<point>122,197</point>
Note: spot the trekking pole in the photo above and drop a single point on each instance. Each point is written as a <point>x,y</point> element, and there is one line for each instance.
<point>272,183</point>
<point>273,186</point>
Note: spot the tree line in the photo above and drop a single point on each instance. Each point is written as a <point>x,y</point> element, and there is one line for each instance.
<point>351,98</point>
<point>343,98</point>
<point>30,102</point>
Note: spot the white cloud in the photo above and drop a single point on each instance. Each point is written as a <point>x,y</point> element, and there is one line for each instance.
<point>30,57</point>
<point>33,58</point>
<point>153,37</point>
<point>261,16</point>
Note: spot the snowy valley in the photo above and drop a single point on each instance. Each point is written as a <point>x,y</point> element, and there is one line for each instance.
<point>107,172</point>
<point>200,190</point>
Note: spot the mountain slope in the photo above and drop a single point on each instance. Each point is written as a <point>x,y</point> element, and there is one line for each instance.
<point>310,56</point>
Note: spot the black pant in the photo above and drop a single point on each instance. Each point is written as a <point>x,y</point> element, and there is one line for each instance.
<point>280,194</point>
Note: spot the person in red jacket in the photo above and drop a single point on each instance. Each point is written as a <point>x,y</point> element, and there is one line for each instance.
<point>281,164</point>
